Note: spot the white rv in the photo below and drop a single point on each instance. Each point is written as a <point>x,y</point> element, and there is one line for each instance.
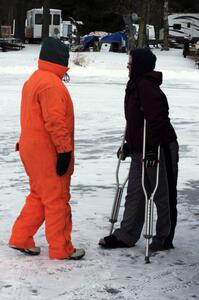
<point>184,25</point>
<point>68,29</point>
<point>33,28</point>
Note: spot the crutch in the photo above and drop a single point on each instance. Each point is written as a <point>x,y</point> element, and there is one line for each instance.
<point>149,203</point>
<point>119,189</point>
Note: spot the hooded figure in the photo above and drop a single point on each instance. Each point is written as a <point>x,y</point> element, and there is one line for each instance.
<point>143,62</point>
<point>46,148</point>
<point>145,100</point>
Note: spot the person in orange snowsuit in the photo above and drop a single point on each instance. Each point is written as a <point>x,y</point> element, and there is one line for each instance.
<point>46,148</point>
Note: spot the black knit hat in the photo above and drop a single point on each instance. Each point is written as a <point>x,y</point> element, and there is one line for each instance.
<point>143,61</point>
<point>55,51</point>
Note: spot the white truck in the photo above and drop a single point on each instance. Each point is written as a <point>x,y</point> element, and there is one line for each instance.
<point>184,25</point>
<point>33,26</point>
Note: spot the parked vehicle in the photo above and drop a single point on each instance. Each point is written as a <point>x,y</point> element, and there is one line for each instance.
<point>33,27</point>
<point>184,26</point>
<point>68,29</point>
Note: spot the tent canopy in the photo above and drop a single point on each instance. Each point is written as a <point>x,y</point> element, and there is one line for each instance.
<point>116,37</point>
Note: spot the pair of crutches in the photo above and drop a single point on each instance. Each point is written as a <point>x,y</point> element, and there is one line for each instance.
<point>149,203</point>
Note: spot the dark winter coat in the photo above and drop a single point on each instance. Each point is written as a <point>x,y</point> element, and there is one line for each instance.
<point>145,99</point>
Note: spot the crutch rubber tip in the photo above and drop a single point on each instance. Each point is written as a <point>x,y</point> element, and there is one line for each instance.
<point>147,260</point>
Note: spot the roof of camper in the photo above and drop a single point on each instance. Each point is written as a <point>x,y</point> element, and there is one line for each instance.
<point>39,10</point>
<point>184,15</point>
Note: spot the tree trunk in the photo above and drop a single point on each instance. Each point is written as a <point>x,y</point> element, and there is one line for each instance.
<point>46,19</point>
<point>11,12</point>
<point>142,39</point>
<point>166,26</point>
<point>156,18</point>
<point>130,31</point>
<point>20,16</point>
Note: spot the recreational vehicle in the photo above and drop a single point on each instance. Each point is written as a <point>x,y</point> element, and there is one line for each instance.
<point>68,29</point>
<point>184,26</point>
<point>33,28</point>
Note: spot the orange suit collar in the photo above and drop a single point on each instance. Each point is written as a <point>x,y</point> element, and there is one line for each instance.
<point>58,70</point>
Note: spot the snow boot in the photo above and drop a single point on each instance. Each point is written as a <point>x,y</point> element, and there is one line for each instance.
<point>77,254</point>
<point>111,242</point>
<point>168,245</point>
<point>155,247</point>
<point>28,251</point>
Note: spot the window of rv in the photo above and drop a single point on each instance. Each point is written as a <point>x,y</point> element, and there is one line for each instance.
<point>177,26</point>
<point>39,19</point>
<point>56,19</point>
<point>70,29</point>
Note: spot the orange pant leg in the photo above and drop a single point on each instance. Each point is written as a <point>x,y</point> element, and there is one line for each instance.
<point>58,219</point>
<point>28,221</point>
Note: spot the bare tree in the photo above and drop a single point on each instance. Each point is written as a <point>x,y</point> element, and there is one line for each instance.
<point>46,18</point>
<point>156,18</point>
<point>125,8</point>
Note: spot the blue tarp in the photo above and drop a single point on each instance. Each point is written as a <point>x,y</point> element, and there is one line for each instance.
<point>117,37</point>
<point>89,38</point>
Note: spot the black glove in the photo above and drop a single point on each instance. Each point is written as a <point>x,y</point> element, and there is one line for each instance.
<point>151,156</point>
<point>63,162</point>
<point>124,152</point>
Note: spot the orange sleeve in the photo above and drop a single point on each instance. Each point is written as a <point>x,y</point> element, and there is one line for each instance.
<point>57,112</point>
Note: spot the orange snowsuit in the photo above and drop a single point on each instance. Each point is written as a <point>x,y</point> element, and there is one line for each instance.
<point>47,128</point>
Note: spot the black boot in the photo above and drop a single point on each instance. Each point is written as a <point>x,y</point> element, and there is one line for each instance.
<point>111,242</point>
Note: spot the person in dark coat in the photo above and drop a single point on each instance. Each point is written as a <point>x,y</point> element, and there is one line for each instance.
<point>145,100</point>
<point>186,47</point>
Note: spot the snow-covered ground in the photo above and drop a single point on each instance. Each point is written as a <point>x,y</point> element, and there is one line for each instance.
<point>97,91</point>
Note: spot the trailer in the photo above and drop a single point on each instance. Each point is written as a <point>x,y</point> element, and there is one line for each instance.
<point>184,25</point>
<point>68,29</point>
<point>34,20</point>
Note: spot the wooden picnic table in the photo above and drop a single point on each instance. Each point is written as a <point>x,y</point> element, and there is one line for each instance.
<point>7,44</point>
